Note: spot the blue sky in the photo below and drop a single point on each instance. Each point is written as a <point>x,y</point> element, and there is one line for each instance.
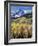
<point>16,8</point>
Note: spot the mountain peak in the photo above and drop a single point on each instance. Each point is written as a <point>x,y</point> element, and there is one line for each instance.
<point>21,13</point>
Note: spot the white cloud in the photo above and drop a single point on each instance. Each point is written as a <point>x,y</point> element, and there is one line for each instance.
<point>25,11</point>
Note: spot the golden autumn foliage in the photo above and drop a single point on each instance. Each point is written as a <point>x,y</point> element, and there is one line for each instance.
<point>21,30</point>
